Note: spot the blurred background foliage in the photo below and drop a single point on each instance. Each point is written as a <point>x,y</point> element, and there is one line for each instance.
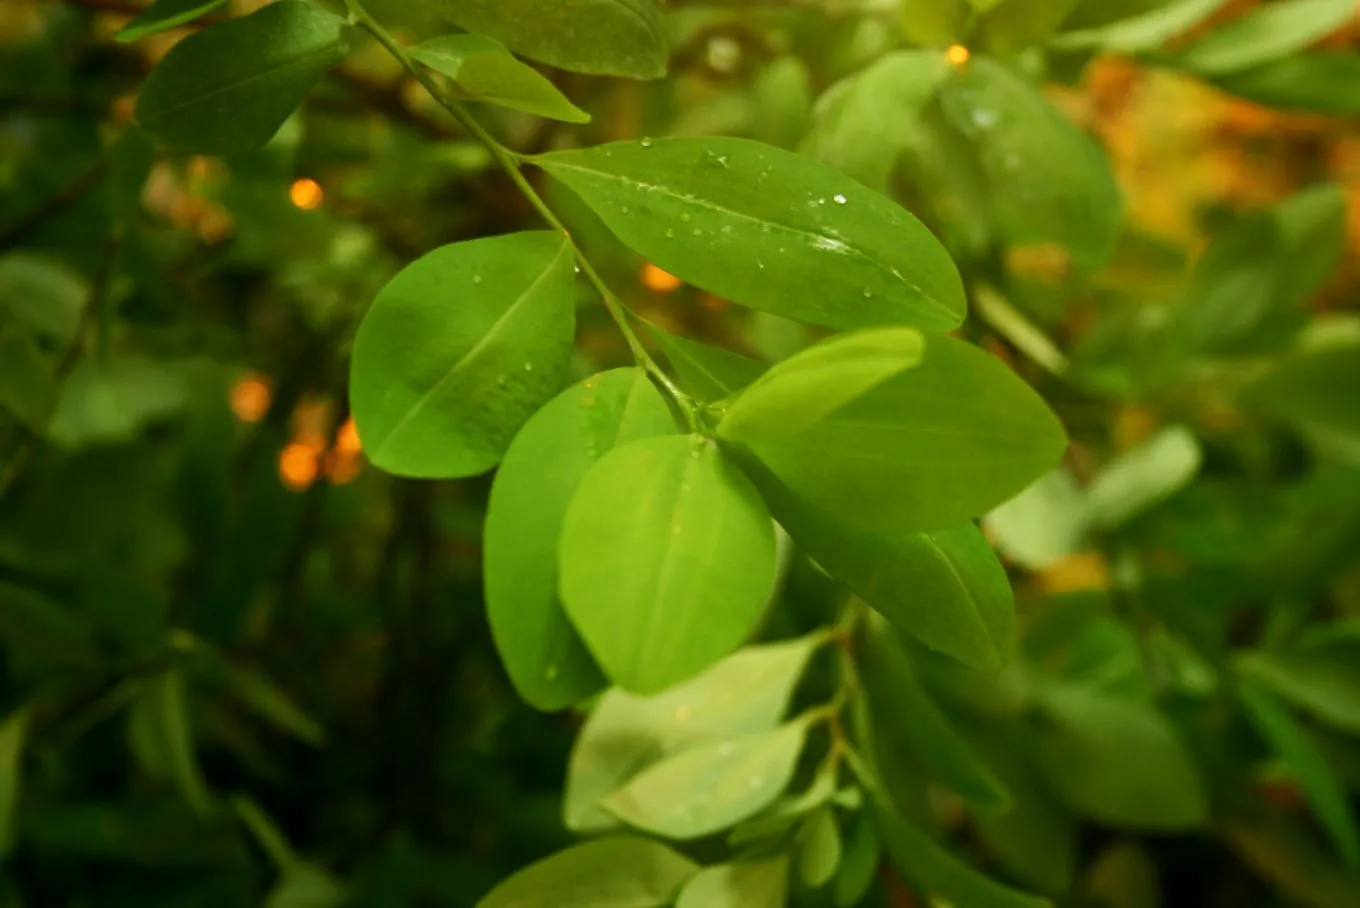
<point>238,666</point>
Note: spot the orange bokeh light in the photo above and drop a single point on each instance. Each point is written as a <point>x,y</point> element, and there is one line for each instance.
<point>347,439</point>
<point>653,278</point>
<point>298,466</point>
<point>957,54</point>
<point>307,194</point>
<point>250,398</point>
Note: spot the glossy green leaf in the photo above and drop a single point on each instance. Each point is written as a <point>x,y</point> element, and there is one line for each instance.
<point>711,786</point>
<point>1146,31</point>
<point>485,71</point>
<point>666,560</point>
<point>614,872</point>
<point>708,373</point>
<point>1267,33</point>
<point>1319,674</point>
<point>1045,522</point>
<point>27,390</point>
<point>541,651</point>
<point>1320,785</point>
<point>811,385</point>
<point>1143,477</point>
<point>165,14</point>
<point>13,735</point>
<point>937,445</point>
<point>1119,762</point>
<point>859,863</point>
<point>899,701</point>
<point>939,873</point>
<point>1313,391</point>
<point>862,123</point>
<point>745,693</point>
<point>229,87</point>
<point>605,37</point>
<point>819,848</point>
<point>41,293</point>
<point>749,884</point>
<point>1048,182</point>
<point>934,23</point>
<point>1313,81</point>
<point>768,229</point>
<point>459,349</point>
<point>161,734</point>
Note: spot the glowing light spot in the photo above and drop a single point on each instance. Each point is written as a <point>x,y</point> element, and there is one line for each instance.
<point>307,194</point>
<point>298,466</point>
<point>347,439</point>
<point>957,54</point>
<point>250,398</point>
<point>658,281</point>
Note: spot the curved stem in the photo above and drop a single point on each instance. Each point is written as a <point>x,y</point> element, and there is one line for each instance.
<point>509,162</point>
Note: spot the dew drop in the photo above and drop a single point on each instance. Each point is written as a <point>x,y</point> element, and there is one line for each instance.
<point>502,380</point>
<point>624,209</point>
<point>984,118</point>
<point>868,294</point>
<point>646,142</point>
<point>476,279</point>
<point>686,216</point>
<point>670,234</point>
<point>528,367</point>
<point>551,673</point>
<point>839,199</point>
<point>698,232</point>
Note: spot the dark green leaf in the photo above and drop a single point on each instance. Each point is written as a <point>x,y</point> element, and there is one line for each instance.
<point>899,701</point>
<point>486,71</point>
<point>540,649</point>
<point>756,884</point>
<point>1143,477</point>
<point>666,560</point>
<point>1314,81</point>
<point>13,734</point>
<point>768,229</point>
<point>262,695</point>
<point>1321,786</point>
<point>1119,762</point>
<point>819,848</point>
<point>1146,31</point>
<point>306,886</point>
<point>165,14</point>
<point>861,124</point>
<point>1313,391</point>
<point>1267,33</point>
<point>939,873</point>
<point>459,349</point>
<point>859,863</point>
<point>605,37</point>
<point>1049,183</point>
<point>163,740</point>
<point>811,385</point>
<point>710,787</point>
<point>745,693</point>
<point>1319,674</point>
<point>113,399</point>
<point>1124,876</point>
<point>27,390</point>
<point>229,87</point>
<point>708,373</point>
<point>935,446</point>
<point>43,294</point>
<point>615,872</point>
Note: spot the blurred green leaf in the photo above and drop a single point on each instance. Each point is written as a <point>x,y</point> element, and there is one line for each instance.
<point>754,884</point>
<point>1124,876</point>
<point>27,389</point>
<point>934,23</point>
<point>826,250</point>
<point>612,872</point>
<point>113,399</point>
<point>305,886</point>
<point>859,863</point>
<point>1013,25</point>
<point>162,737</point>
<point>819,848</point>
<point>1143,477</point>
<point>165,14</point>
<point>1312,391</point>
<point>13,735</point>
<point>1313,81</point>
<point>459,349</point>
<point>486,71</point>
<point>708,373</point>
<point>1045,522</point>
<point>1320,673</point>
<point>1267,33</point>
<point>42,293</point>
<point>1146,31</point>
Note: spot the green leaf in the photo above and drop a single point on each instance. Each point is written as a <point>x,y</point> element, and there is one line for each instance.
<point>666,560</point>
<point>306,886</point>
<point>933,447</point>
<point>711,786</point>
<point>768,229</point>
<point>1124,876</point>
<point>1267,33</point>
<point>43,294</point>
<point>1045,522</point>
<point>163,15</point>
<point>1119,762</point>
<point>1313,81</point>
<point>934,23</point>
<point>541,651</point>
<point>113,399</point>
<point>939,873</point>
<point>746,692</point>
<point>459,349</point>
<point>1049,183</point>
<point>1014,25</point>
<point>811,385</point>
<point>781,816</point>
<point>27,389</point>
<point>162,738</point>
<point>1146,31</point>
<point>782,98</point>
<point>753,884</point>
<point>859,863</point>
<point>1320,674</point>
<point>13,734</point>
<point>900,702</point>
<point>259,693</point>
<point>862,123</point>
<point>1311,226</point>
<point>1143,477</point>
<point>1313,391</point>
<point>487,72</point>
<point>1321,786</point>
<point>707,373</point>
<point>819,848</point>
<point>229,87</point>
<point>614,872</point>
<point>604,37</point>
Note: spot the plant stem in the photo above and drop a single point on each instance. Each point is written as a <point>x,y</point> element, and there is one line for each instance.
<point>509,162</point>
